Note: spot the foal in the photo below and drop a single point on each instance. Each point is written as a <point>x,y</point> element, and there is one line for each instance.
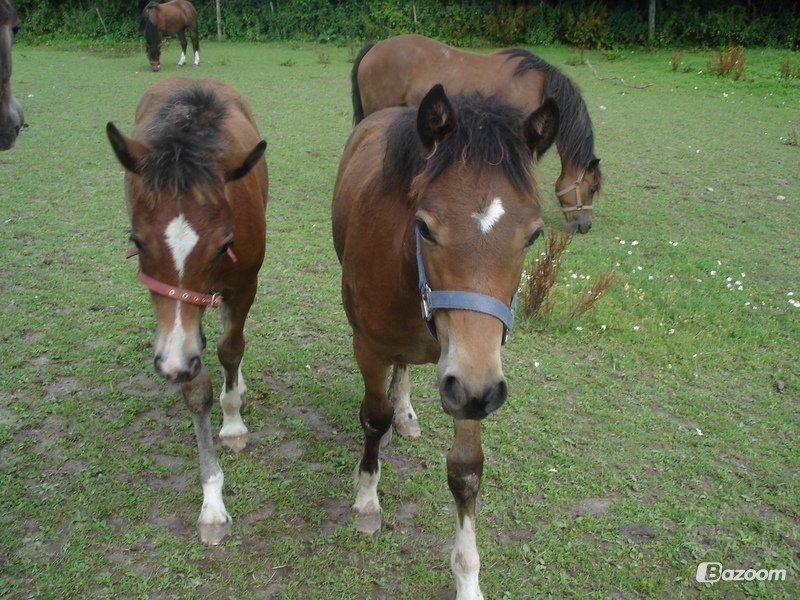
<point>171,18</point>
<point>437,205</point>
<point>196,192</point>
<point>11,117</point>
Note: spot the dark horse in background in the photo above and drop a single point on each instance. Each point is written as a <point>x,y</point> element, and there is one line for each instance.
<point>437,204</point>
<point>171,18</point>
<point>400,70</point>
<point>11,117</point>
<point>196,192</point>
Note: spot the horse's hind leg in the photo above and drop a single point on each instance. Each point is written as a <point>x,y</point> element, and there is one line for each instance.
<point>195,44</point>
<point>464,472</point>
<point>214,522</point>
<point>182,38</point>
<point>230,350</point>
<point>405,419</point>
<point>376,421</point>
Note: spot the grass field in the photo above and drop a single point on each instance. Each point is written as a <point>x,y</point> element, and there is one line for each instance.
<point>657,431</point>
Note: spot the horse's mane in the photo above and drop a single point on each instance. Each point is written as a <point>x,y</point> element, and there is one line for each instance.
<point>489,134</point>
<point>185,140</point>
<point>149,28</point>
<point>575,138</point>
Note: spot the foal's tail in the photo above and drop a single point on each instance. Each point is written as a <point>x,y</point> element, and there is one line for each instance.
<point>358,107</point>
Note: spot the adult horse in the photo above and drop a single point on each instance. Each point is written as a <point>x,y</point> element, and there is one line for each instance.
<point>11,117</point>
<point>171,18</point>
<point>400,70</point>
<point>196,192</point>
<point>437,205</point>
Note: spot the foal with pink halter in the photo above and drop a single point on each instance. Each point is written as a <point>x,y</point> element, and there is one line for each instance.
<point>196,191</point>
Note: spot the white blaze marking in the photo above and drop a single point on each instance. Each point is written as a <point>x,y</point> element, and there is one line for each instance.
<point>213,511</point>
<point>489,217</point>
<point>465,562</point>
<point>367,491</point>
<point>196,58</point>
<point>181,239</point>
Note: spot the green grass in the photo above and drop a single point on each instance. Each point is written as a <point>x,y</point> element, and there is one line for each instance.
<point>97,458</point>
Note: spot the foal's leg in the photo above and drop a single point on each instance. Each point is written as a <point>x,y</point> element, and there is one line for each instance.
<point>464,471</point>
<point>182,38</point>
<point>214,522</point>
<point>230,350</point>
<point>376,421</point>
<point>405,419</point>
<point>195,43</point>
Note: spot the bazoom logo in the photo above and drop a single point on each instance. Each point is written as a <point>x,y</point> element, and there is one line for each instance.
<point>711,572</point>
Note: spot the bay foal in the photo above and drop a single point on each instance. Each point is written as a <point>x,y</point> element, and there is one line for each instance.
<point>170,18</point>
<point>11,117</point>
<point>196,192</point>
<point>399,71</point>
<point>438,204</point>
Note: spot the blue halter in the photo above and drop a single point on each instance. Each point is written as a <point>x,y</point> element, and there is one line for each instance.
<point>450,299</point>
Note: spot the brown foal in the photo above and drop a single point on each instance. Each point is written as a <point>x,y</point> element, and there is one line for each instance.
<point>170,18</point>
<point>400,70</point>
<point>444,190</point>
<point>196,192</point>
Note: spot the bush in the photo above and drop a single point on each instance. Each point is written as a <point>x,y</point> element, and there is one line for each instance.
<point>788,70</point>
<point>675,59</point>
<point>730,62</point>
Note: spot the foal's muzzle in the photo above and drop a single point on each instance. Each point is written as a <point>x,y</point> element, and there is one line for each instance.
<point>179,373</point>
<point>581,224</point>
<point>461,403</point>
<point>11,125</point>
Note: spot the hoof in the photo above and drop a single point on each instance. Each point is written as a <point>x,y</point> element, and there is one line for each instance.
<point>406,426</point>
<point>211,534</point>
<point>368,522</point>
<point>237,443</point>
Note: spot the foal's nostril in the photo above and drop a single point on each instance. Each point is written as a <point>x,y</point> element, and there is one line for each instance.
<point>494,396</point>
<point>194,366</point>
<point>453,394</point>
<point>157,363</point>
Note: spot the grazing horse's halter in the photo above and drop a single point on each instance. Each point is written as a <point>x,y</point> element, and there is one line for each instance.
<point>451,299</point>
<point>579,206</point>
<point>177,293</point>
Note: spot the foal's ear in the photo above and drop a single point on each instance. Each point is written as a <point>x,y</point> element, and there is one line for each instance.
<point>541,126</point>
<point>436,117</point>
<point>593,164</point>
<point>238,163</point>
<point>129,152</point>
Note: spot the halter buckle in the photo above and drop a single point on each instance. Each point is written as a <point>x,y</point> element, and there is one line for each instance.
<point>427,311</point>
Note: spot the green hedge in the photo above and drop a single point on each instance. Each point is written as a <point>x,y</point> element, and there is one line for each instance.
<point>584,24</point>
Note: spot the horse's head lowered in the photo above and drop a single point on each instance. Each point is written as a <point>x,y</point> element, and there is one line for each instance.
<point>11,117</point>
<point>152,36</point>
<point>576,190</point>
<point>477,213</point>
<point>181,220</point>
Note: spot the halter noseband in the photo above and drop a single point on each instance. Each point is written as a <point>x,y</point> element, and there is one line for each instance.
<point>457,300</point>
<point>178,293</point>
<point>579,206</point>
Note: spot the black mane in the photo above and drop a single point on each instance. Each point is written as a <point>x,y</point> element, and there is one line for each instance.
<point>575,138</point>
<point>489,134</point>
<point>185,141</point>
<point>150,30</point>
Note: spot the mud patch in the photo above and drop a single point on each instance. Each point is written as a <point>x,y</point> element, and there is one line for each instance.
<point>171,523</point>
<point>260,514</point>
<point>312,419</point>
<point>39,361</point>
<point>592,507</point>
<point>141,385</point>
<point>31,336</point>
<point>62,387</point>
<point>291,450</point>
<point>276,385</point>
<point>638,534</point>
<point>337,514</point>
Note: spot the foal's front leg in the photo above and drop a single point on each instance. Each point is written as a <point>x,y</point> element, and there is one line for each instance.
<point>376,420</point>
<point>230,350</point>
<point>405,419</point>
<point>182,38</point>
<point>214,522</point>
<point>464,472</point>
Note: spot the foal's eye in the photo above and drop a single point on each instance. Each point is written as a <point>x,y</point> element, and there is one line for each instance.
<point>15,30</point>
<point>136,242</point>
<point>593,190</point>
<point>536,234</point>
<point>225,247</point>
<point>425,231</point>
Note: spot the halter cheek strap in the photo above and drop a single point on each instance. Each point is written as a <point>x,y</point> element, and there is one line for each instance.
<point>178,293</point>
<point>579,205</point>
<point>433,300</point>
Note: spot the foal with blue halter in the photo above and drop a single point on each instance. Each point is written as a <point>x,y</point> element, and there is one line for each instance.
<point>434,207</point>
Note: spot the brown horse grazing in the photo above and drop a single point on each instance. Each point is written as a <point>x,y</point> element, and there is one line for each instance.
<point>11,117</point>
<point>171,18</point>
<point>196,192</point>
<point>400,70</point>
<point>438,204</point>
